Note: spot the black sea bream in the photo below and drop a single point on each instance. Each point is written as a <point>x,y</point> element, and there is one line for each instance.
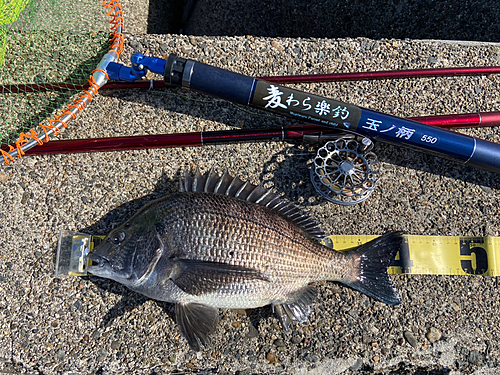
<point>223,243</point>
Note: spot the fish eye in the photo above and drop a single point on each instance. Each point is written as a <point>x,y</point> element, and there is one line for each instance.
<point>118,238</point>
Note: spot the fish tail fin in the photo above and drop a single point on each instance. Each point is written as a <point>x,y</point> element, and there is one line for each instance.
<point>371,262</point>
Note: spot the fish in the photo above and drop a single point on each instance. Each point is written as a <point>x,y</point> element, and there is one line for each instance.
<point>222,243</point>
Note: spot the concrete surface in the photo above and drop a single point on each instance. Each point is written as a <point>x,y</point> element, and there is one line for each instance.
<point>445,325</point>
<point>414,19</point>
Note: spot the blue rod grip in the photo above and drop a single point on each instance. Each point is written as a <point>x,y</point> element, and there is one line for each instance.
<point>208,79</point>
<point>222,84</point>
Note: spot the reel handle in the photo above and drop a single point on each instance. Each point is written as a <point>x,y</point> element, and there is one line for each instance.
<point>276,98</point>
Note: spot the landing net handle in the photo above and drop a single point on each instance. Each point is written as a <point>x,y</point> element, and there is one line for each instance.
<point>98,79</point>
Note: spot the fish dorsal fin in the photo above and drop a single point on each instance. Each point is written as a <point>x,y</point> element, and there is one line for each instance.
<point>231,186</point>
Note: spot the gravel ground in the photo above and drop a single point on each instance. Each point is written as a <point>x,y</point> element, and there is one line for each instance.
<point>445,325</point>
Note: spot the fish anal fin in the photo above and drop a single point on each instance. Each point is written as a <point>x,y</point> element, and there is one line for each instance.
<point>196,322</point>
<point>286,321</point>
<point>298,307</point>
<point>197,277</point>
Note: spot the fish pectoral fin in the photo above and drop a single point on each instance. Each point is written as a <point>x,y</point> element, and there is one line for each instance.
<point>298,309</point>
<point>199,277</point>
<point>196,322</point>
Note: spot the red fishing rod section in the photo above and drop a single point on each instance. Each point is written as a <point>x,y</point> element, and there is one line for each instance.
<point>173,140</point>
<point>235,136</point>
<point>306,78</point>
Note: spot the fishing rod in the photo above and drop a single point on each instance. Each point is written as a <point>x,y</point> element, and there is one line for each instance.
<point>345,170</point>
<point>289,133</point>
<point>453,121</point>
<point>305,78</point>
<point>283,100</point>
<point>462,120</point>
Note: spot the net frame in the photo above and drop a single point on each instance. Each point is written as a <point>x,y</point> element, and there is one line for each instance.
<point>97,79</point>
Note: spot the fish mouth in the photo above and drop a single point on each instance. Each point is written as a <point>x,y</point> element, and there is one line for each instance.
<point>98,261</point>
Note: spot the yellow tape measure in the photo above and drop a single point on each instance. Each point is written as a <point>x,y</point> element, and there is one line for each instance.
<point>419,255</point>
<point>436,255</point>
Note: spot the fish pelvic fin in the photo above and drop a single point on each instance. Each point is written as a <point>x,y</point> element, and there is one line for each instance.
<point>196,322</point>
<point>371,262</point>
<point>298,309</point>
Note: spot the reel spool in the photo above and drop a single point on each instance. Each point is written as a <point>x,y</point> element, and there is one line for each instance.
<point>345,171</point>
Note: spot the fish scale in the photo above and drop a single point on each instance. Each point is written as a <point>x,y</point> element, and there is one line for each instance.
<point>249,251</point>
<point>279,240</point>
<point>223,243</point>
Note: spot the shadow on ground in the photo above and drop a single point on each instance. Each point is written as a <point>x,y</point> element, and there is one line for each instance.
<point>472,20</point>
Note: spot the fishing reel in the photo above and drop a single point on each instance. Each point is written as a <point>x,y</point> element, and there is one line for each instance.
<point>345,170</point>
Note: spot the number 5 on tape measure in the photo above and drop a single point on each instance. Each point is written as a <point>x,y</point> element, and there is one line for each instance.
<point>436,255</point>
